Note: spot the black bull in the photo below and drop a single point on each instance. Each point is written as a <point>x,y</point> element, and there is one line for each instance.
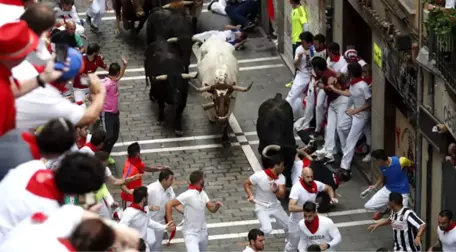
<point>174,26</point>
<point>169,83</point>
<point>129,11</point>
<point>275,127</point>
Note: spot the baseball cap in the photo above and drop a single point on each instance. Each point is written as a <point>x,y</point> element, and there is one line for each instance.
<point>351,54</point>
<point>76,64</point>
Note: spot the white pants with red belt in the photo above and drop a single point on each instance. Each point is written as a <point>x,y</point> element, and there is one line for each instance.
<point>336,112</point>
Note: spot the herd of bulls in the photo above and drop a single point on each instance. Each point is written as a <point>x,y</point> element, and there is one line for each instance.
<point>171,25</point>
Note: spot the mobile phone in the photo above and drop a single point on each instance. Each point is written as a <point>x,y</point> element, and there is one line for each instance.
<point>61,53</point>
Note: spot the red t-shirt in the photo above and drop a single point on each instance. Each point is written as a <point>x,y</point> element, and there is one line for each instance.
<point>131,168</point>
<point>7,105</point>
<point>89,67</point>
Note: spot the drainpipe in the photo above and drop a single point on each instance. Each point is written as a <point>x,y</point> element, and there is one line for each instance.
<point>419,94</point>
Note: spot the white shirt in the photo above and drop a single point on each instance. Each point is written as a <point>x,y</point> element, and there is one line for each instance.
<point>24,184</point>
<point>344,69</point>
<point>194,203</point>
<point>450,4</point>
<point>360,93</point>
<point>305,67</point>
<point>263,190</point>
<point>336,66</point>
<point>140,220</point>
<point>42,104</point>
<point>248,249</point>
<point>302,196</point>
<point>44,236</point>
<point>158,196</point>
<point>321,53</point>
<point>327,233</point>
<point>62,15</point>
<point>447,239</point>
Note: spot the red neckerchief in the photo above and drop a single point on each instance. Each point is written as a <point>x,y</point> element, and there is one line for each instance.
<point>138,207</point>
<point>30,139</point>
<point>313,225</point>
<point>321,49</point>
<point>271,174</point>
<point>194,187</point>
<point>12,2</point>
<point>311,189</point>
<point>66,243</point>
<point>42,184</point>
<point>334,58</point>
<point>355,80</point>
<point>81,142</point>
<point>368,80</point>
<point>59,87</point>
<point>91,146</point>
<point>449,228</point>
<point>336,179</point>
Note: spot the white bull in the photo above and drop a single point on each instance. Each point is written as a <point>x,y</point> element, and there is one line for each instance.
<point>218,72</point>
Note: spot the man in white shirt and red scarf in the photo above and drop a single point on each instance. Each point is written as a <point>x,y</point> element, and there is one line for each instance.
<point>137,216</point>
<point>306,190</point>
<point>269,185</point>
<point>317,230</point>
<point>256,241</point>
<point>195,202</point>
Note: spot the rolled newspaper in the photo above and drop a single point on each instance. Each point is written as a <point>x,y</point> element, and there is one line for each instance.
<point>365,193</point>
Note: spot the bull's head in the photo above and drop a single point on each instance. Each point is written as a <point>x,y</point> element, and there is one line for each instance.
<point>174,86</point>
<point>184,47</point>
<point>138,5</point>
<point>221,97</point>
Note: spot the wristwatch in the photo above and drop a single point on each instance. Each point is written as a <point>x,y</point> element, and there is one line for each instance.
<point>40,81</point>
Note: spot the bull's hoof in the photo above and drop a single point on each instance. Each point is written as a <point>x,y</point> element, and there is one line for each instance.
<point>159,123</point>
<point>117,32</point>
<point>179,133</point>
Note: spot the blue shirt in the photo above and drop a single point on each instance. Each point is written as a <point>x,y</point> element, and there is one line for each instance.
<point>396,179</point>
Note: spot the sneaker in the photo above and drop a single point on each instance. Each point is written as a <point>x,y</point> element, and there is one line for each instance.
<point>249,26</point>
<point>367,158</point>
<point>289,84</point>
<point>95,29</point>
<point>378,215</point>
<point>111,160</point>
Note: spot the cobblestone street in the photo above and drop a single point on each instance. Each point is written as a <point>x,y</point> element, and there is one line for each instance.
<point>200,147</point>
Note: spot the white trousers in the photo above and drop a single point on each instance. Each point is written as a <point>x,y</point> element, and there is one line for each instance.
<point>355,126</point>
<point>219,7</point>
<point>296,96</point>
<point>79,29</point>
<point>156,246</point>
<point>296,171</point>
<point>336,112</point>
<point>367,132</point>
<point>96,11</point>
<point>264,215</point>
<point>304,122</point>
<point>196,242</point>
<point>320,109</point>
<point>380,199</point>
<point>294,235</point>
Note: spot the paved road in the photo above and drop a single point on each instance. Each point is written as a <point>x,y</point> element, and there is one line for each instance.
<point>200,147</point>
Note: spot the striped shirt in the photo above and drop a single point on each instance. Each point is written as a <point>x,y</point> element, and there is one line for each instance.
<point>405,224</point>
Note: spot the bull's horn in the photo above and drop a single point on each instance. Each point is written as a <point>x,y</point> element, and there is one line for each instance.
<point>170,40</point>
<point>204,89</point>
<point>160,77</point>
<point>304,153</point>
<point>197,40</point>
<point>166,6</point>
<point>243,89</point>
<point>189,76</point>
<point>208,105</point>
<point>188,2</point>
<point>222,117</point>
<point>268,148</point>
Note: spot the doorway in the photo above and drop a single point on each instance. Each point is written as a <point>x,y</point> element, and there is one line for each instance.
<point>356,32</point>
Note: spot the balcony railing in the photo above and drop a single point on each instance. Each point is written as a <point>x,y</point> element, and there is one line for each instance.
<point>442,52</point>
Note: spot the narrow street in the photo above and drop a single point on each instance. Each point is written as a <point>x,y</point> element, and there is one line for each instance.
<point>200,147</point>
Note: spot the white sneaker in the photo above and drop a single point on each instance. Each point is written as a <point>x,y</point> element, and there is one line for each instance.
<point>367,158</point>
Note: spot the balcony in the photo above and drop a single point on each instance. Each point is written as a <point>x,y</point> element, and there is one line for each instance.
<point>442,52</point>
